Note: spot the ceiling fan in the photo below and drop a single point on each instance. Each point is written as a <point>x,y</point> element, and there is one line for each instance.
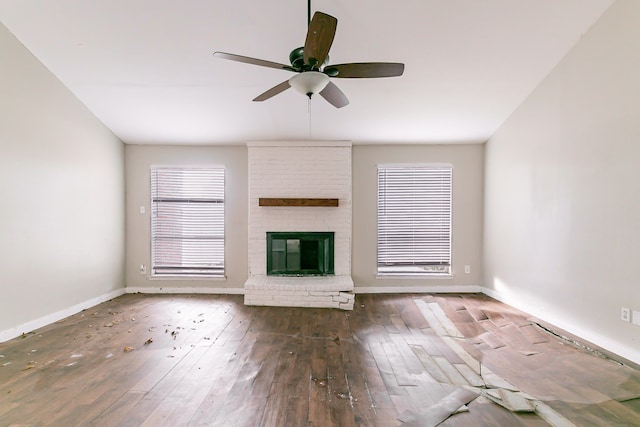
<point>310,64</point>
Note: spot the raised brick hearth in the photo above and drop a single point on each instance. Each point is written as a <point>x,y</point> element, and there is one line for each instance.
<point>314,291</point>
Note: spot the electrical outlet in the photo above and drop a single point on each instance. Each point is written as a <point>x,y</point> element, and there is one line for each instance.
<point>625,314</point>
<point>467,269</point>
<point>143,269</point>
<point>635,318</point>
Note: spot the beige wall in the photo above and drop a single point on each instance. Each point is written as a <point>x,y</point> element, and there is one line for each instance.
<point>139,159</point>
<point>562,229</point>
<point>62,196</point>
<point>467,161</point>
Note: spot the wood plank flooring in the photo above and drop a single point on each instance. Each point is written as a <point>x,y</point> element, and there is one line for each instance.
<point>396,360</point>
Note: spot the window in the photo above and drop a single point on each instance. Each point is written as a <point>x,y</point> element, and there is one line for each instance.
<point>414,219</point>
<point>187,221</point>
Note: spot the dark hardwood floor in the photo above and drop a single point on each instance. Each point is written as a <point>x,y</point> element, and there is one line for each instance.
<point>396,360</point>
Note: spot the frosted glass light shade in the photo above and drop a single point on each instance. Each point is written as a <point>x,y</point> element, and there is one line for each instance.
<point>309,82</point>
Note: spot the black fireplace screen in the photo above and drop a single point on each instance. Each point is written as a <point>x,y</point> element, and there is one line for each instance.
<point>300,253</point>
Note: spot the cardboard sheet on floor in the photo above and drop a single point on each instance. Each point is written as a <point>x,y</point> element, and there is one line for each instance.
<point>440,411</point>
<point>494,381</point>
<point>512,401</point>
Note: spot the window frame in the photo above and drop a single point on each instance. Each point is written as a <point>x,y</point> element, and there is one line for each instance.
<point>211,272</point>
<point>435,250</point>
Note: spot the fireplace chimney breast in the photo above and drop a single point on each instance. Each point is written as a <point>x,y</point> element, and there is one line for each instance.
<point>307,170</point>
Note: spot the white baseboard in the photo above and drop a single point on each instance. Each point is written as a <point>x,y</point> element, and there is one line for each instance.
<point>179,290</point>
<point>615,347</point>
<point>59,315</point>
<point>416,289</point>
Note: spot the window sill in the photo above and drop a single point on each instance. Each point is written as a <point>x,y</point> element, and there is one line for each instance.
<point>187,278</point>
<point>414,276</point>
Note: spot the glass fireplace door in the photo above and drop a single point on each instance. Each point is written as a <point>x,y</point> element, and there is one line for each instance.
<point>299,254</point>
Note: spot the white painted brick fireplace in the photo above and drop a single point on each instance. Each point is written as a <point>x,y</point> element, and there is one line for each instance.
<point>306,169</point>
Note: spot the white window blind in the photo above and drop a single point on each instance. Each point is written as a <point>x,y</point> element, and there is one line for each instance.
<point>414,219</point>
<point>187,221</point>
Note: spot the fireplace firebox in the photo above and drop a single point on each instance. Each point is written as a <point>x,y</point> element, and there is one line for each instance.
<point>300,253</point>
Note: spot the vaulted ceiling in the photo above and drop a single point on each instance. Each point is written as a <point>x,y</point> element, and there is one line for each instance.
<point>145,67</point>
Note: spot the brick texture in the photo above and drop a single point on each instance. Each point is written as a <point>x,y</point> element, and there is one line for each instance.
<point>300,171</point>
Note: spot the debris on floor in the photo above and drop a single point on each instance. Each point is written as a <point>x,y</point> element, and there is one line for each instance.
<point>342,395</point>
<point>322,382</point>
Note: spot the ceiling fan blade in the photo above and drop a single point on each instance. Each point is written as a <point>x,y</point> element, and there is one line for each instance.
<point>320,34</point>
<point>365,70</point>
<point>334,95</point>
<point>273,91</point>
<point>253,61</point>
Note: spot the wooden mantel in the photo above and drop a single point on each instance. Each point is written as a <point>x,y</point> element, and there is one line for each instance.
<point>263,201</point>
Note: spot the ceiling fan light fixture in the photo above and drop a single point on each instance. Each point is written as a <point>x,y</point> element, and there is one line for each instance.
<point>309,82</point>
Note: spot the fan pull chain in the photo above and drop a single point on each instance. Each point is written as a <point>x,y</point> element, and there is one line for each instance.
<point>309,111</point>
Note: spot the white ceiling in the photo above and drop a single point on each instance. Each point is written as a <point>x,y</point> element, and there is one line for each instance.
<point>145,67</point>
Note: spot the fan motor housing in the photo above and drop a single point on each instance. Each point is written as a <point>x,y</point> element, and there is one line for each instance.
<point>296,57</point>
